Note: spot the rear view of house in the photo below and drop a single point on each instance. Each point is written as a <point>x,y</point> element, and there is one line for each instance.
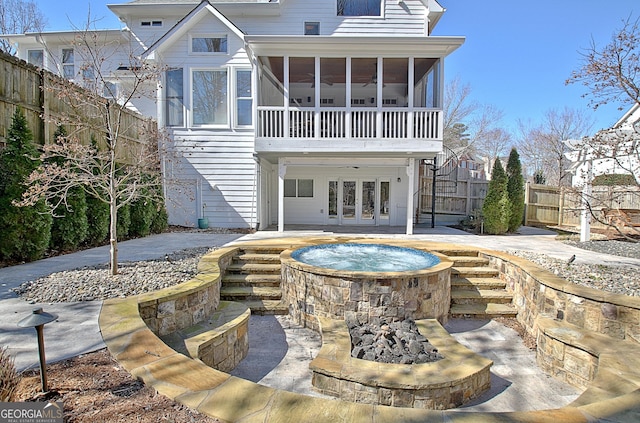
<point>291,111</point>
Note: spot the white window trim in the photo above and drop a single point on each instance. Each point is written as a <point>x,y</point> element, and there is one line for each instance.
<point>206,53</point>
<point>225,125</point>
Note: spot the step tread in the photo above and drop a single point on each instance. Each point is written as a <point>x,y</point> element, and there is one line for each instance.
<point>484,271</point>
<point>251,278</point>
<point>259,258</point>
<point>263,292</point>
<point>489,309</point>
<point>470,261</point>
<point>254,267</point>
<point>481,293</point>
<point>482,283</point>
<point>267,307</point>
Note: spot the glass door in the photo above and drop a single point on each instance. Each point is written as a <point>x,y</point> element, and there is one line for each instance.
<point>358,202</point>
<point>349,202</point>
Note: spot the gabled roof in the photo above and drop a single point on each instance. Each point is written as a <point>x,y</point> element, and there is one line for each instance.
<point>180,28</point>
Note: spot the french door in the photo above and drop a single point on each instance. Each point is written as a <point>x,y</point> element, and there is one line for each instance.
<point>359,201</point>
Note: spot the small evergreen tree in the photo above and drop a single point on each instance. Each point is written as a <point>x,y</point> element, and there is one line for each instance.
<point>539,178</point>
<point>496,209</point>
<point>515,189</point>
<point>98,220</point>
<point>25,230</point>
<point>70,224</point>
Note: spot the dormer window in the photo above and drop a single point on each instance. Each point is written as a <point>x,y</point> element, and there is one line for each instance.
<point>359,7</point>
<point>209,44</point>
<point>312,28</point>
<point>147,24</point>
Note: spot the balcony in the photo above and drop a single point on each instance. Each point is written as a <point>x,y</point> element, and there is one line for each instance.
<point>357,130</point>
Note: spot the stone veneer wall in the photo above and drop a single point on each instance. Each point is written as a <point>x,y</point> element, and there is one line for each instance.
<point>538,292</point>
<point>171,309</point>
<point>318,292</point>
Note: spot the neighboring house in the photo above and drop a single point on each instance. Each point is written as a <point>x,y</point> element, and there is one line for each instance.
<point>286,112</point>
<point>617,152</point>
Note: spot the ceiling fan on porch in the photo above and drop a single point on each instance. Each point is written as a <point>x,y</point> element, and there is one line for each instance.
<point>324,79</point>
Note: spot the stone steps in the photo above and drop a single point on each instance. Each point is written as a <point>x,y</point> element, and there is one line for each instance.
<point>253,279</point>
<point>476,289</point>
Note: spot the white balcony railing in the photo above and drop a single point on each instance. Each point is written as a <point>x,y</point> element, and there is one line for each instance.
<point>355,123</point>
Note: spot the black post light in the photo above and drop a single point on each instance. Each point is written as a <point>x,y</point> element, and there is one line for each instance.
<point>37,319</point>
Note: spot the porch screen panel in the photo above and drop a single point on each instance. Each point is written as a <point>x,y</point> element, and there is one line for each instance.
<point>209,96</point>
<point>426,77</point>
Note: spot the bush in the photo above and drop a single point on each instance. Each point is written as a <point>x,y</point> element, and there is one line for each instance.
<point>142,212</point>
<point>9,377</point>
<point>123,222</point>
<point>515,190</point>
<point>26,231</point>
<point>97,220</point>
<point>496,208</point>
<point>160,220</point>
<point>70,223</point>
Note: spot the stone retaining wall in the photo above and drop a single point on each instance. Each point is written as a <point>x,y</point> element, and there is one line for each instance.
<point>538,292</point>
<point>171,309</point>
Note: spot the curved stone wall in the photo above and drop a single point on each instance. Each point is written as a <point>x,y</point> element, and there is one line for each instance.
<point>313,292</point>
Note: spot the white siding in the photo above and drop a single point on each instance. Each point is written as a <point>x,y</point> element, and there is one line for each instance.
<point>226,169</point>
<point>407,19</point>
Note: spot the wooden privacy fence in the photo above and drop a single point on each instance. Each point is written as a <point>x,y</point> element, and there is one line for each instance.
<point>48,100</point>
<point>554,206</point>
<point>457,193</point>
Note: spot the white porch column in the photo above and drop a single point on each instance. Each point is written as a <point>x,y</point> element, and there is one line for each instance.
<point>282,171</point>
<point>411,175</point>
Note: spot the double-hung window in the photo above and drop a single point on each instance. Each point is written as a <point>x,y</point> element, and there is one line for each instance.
<point>244,98</point>
<point>68,64</point>
<point>209,97</point>
<point>174,93</point>
<point>209,44</point>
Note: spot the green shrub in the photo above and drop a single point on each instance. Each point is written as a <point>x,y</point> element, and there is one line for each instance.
<point>160,219</point>
<point>142,213</point>
<point>123,223</point>
<point>9,377</point>
<point>97,221</point>
<point>25,230</point>
<point>496,208</point>
<point>515,189</point>
<point>614,179</point>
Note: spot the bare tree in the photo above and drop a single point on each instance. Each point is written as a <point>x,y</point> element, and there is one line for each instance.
<point>122,163</point>
<point>544,145</point>
<point>612,73</point>
<point>458,107</point>
<point>19,17</point>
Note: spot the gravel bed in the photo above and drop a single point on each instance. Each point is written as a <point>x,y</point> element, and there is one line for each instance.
<point>617,279</point>
<point>95,283</point>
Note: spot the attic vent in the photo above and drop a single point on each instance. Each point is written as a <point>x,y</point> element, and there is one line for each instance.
<point>150,23</point>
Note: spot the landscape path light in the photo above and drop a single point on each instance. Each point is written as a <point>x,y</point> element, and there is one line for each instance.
<point>37,319</point>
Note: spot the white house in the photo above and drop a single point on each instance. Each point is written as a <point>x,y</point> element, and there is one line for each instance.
<point>289,111</point>
<point>613,151</point>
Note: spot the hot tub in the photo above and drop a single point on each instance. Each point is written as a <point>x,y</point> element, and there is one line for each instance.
<point>416,293</point>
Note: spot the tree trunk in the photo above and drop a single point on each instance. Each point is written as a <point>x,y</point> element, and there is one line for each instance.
<point>113,231</point>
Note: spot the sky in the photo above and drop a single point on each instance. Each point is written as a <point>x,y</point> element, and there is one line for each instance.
<point>516,57</point>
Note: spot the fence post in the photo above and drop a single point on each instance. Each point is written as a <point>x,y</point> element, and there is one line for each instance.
<point>561,207</point>
<point>526,203</point>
